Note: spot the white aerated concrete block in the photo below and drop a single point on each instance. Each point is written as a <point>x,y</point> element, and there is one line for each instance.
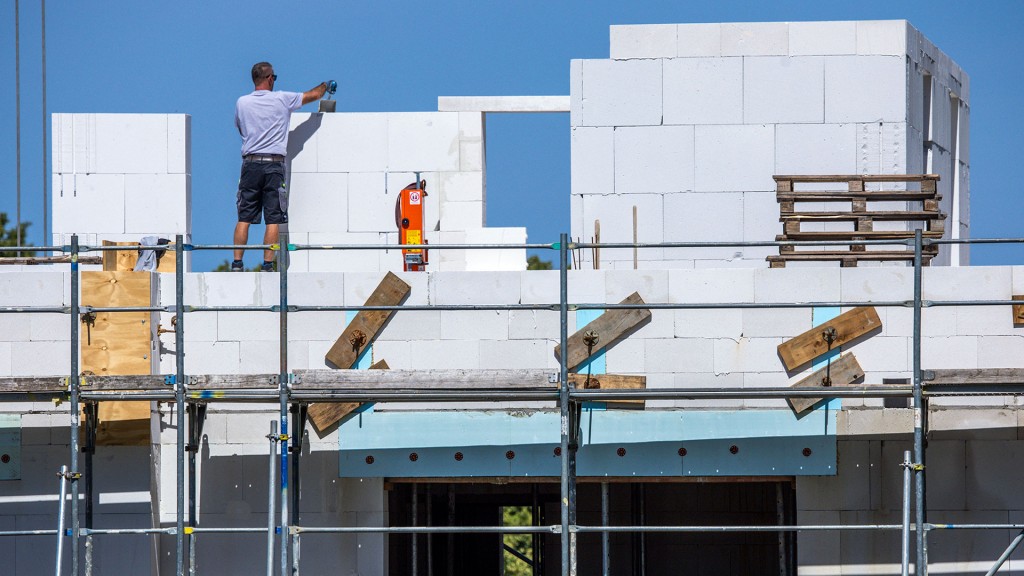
<point>371,206</point>
<point>533,325</point>
<point>212,357</point>
<point>423,141</point>
<point>512,354</point>
<point>88,203</point>
<point>674,355</point>
<point>439,355</point>
<point>797,285</point>
<point>760,221</point>
<point>157,202</point>
<point>708,323</point>
<point>39,359</point>
<point>507,259</point>
<point>44,327</point>
<point>748,355</point>
<point>248,326</point>
<point>415,325</point>
<point>625,357</point>
<point>846,100</point>
<point>755,39</point>
<point>616,216</point>
<point>696,40</point>
<point>766,322</point>
<point>734,158</point>
<point>984,320</point>
<point>653,159</point>
<point>461,187</point>
<point>643,41</point>
<point>359,287</point>
<point>123,143</point>
<point>816,149</point>
<point>652,285</point>
<point>622,93</point>
<point>16,327</point>
<point>849,489</point>
<point>885,37</point>
<point>969,283</point>
<point>318,202</point>
<point>352,142</point>
<point>316,289</point>
<point>824,38</point>
<point>543,286</point>
<point>881,353</point>
<point>704,91</point>
<point>5,358</point>
<point>179,144</point>
<point>705,217</point>
<point>319,325</point>
<point>575,93</point>
<point>475,288</point>
<point>783,89</point>
<point>474,324</point>
<point>949,352</point>
<point>1001,351</point>
<point>711,286</point>
<point>345,260</point>
<point>462,215</point>
<point>592,162</point>
<point>32,289</point>
<point>866,285</point>
<point>264,356</point>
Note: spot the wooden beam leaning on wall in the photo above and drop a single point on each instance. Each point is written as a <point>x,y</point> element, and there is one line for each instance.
<point>848,326</point>
<point>354,340</point>
<point>842,371</point>
<point>607,327</point>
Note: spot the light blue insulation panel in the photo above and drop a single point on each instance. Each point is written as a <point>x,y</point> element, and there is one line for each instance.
<point>613,443</point>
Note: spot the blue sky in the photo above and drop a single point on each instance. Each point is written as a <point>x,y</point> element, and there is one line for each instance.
<point>193,57</point>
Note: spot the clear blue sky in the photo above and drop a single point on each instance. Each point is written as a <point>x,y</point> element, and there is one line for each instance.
<point>192,56</point>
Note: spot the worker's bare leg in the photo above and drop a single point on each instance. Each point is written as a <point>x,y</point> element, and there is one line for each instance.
<point>241,238</point>
<point>270,237</point>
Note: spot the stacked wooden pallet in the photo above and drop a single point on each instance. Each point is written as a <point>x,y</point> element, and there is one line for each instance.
<point>857,205</point>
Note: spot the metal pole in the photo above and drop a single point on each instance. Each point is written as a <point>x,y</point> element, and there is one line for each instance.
<point>1006,554</point>
<point>905,561</point>
<point>60,517</point>
<point>283,385</point>
<point>605,536</point>
<point>921,566</point>
<point>89,449</point>
<point>430,535</point>
<point>563,400</point>
<point>194,437</point>
<point>271,489</point>
<point>179,397</point>
<point>17,117</point>
<point>415,551</point>
<point>73,384</point>
<point>46,149</point>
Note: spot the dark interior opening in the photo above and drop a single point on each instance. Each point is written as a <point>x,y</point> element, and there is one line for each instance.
<point>737,502</point>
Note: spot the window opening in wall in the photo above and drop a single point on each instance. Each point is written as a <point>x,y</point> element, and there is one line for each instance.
<point>527,175</point>
<point>954,171</point>
<point>926,122</point>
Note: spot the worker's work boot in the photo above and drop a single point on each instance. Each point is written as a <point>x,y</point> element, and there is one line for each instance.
<point>237,266</point>
<point>268,266</point>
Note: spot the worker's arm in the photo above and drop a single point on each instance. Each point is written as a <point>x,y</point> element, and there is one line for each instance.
<point>314,94</point>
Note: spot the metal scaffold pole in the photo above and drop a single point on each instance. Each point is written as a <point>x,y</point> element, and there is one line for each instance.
<point>179,397</point>
<point>921,565</point>
<point>73,384</point>
<point>563,400</point>
<point>283,385</point>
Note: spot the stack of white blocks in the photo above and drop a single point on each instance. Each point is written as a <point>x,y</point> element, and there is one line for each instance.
<point>689,122</point>
<point>347,170</point>
<point>120,177</point>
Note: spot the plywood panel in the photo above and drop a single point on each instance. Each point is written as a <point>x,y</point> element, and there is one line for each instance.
<point>124,260</point>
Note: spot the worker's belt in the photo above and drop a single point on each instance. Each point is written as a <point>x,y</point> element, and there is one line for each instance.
<point>263,158</point>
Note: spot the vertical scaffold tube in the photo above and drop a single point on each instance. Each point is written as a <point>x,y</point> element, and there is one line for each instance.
<point>905,559</point>
<point>63,491</point>
<point>73,384</point>
<point>563,397</point>
<point>271,504</point>
<point>179,397</point>
<point>282,273</point>
<point>606,558</point>
<point>921,566</point>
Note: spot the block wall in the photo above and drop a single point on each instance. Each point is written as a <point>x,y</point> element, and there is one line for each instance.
<point>121,177</point>
<point>347,170</point>
<point>686,124</point>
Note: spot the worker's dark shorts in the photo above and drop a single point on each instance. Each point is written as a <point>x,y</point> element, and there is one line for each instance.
<point>262,187</point>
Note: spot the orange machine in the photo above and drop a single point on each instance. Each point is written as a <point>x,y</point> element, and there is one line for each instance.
<point>409,217</point>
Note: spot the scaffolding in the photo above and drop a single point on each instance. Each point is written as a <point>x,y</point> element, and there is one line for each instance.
<point>192,393</point>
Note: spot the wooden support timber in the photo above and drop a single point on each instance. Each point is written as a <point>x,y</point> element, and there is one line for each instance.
<point>324,415</point>
<point>843,371</point>
<point>124,260</point>
<point>608,327</point>
<point>1018,310</point>
<point>611,382</point>
<point>362,330</point>
<point>862,219</point>
<point>848,326</point>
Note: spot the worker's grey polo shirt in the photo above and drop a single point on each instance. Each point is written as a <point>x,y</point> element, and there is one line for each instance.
<point>262,120</point>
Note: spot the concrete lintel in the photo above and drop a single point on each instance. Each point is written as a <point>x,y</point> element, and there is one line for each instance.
<point>502,103</point>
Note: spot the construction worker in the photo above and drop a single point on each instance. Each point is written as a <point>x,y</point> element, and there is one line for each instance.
<point>262,120</point>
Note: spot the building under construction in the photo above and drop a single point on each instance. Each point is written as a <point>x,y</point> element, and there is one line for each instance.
<point>764,352</point>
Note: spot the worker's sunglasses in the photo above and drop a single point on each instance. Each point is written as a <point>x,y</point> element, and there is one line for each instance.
<point>274,77</point>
